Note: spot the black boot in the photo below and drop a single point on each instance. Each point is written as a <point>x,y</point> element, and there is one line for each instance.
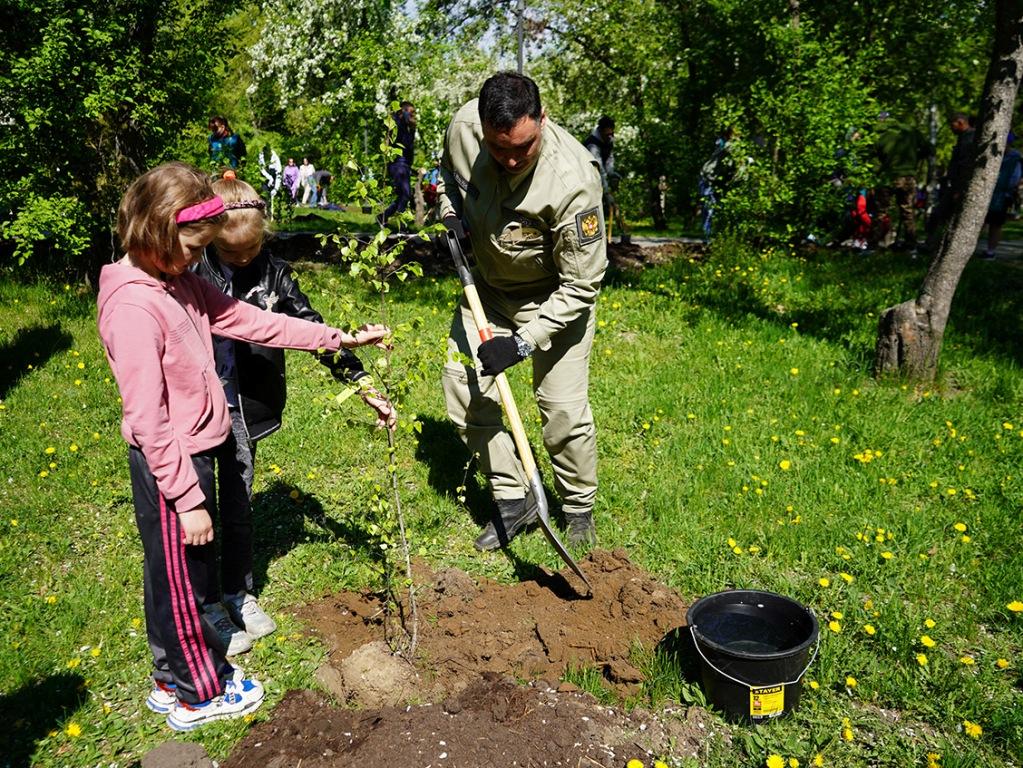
<point>512,517</point>
<point>581,531</point>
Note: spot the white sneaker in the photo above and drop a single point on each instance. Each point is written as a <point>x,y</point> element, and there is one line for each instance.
<point>238,699</point>
<point>246,613</point>
<point>163,697</point>
<point>234,639</point>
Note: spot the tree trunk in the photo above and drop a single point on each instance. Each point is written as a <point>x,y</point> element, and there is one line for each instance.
<point>420,202</point>
<point>910,334</point>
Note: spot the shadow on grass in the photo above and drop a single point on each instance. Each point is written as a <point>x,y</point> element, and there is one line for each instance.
<point>30,346</point>
<point>843,295</point>
<point>449,467</point>
<point>280,525</point>
<point>31,712</point>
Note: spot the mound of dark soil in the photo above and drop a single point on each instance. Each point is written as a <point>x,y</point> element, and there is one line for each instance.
<point>534,630</point>
<point>476,639</point>
<point>493,722</point>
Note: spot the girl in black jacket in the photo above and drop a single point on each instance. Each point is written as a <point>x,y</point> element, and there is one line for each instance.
<point>254,376</point>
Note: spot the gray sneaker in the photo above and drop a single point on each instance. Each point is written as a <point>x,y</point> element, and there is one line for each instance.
<point>235,640</point>
<point>246,613</point>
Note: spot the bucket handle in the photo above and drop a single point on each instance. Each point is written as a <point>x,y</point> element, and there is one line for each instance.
<point>696,644</point>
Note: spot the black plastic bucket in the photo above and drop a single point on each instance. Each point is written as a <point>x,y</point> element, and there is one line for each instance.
<point>754,649</point>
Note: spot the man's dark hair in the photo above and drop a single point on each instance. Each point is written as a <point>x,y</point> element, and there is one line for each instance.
<point>606,122</point>
<point>506,98</point>
<point>406,104</point>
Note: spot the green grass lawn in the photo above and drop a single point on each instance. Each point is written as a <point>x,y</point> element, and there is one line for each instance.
<point>742,444</point>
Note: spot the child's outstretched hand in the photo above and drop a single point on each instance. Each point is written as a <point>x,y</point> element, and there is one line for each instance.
<point>387,416</point>
<point>196,526</point>
<point>370,333</point>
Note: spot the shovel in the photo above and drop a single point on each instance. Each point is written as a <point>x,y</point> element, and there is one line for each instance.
<point>510,409</point>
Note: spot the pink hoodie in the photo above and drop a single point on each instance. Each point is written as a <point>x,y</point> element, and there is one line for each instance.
<point>157,339</point>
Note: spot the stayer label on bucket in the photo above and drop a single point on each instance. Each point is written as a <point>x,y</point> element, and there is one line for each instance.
<point>767,702</point>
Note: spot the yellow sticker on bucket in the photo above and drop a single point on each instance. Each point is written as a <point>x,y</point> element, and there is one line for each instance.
<point>766,702</point>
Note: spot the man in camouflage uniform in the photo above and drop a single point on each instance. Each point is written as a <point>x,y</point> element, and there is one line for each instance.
<point>530,197</point>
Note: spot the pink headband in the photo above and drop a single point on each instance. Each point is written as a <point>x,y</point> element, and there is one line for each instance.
<point>207,209</point>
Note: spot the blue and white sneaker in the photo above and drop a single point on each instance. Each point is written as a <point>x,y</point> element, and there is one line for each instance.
<point>240,697</point>
<point>163,697</point>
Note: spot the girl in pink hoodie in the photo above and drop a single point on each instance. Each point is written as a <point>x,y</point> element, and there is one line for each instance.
<point>155,320</point>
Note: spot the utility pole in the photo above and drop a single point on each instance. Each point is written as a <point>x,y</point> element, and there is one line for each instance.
<point>520,11</point>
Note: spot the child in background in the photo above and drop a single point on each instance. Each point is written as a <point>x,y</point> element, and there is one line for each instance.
<point>254,382</point>
<point>155,319</point>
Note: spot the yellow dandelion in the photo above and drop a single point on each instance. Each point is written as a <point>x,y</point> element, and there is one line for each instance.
<point>634,764</point>
<point>847,734</point>
<point>973,730</point>
<point>74,730</point>
<point>850,681</point>
<point>967,660</point>
<point>51,599</point>
<point>1002,663</point>
<point>834,626</point>
<point>818,760</point>
<point>775,761</point>
<point>1015,606</point>
<point>660,764</point>
<point>50,450</point>
<point>72,663</point>
<point>930,623</point>
<point>927,641</point>
<point>921,659</point>
<point>965,538</point>
<point>837,615</point>
<point>794,371</point>
<point>846,577</point>
<point>887,555</point>
<point>824,581</point>
<point>961,527</point>
<point>95,652</point>
<point>737,550</point>
<point>793,763</point>
<point>785,465</point>
<point>869,629</point>
<point>731,542</point>
<point>814,685</point>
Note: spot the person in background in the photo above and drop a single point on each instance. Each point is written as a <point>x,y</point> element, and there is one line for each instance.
<point>322,180</point>
<point>307,182</point>
<point>601,144</point>
<point>253,376</point>
<point>226,146</point>
<point>716,176</point>
<point>270,170</point>
<point>900,148</point>
<point>155,320</point>
<point>1010,171</point>
<point>951,189</point>
<point>530,196</point>
<point>400,169</point>
<point>291,179</point>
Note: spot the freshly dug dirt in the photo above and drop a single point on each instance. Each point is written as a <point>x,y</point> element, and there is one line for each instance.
<point>477,638</point>
<point>493,722</point>
<point>534,630</point>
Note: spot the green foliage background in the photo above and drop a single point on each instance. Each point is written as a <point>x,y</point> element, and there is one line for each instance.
<point>93,93</point>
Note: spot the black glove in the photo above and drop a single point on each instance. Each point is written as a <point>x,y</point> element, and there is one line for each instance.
<point>454,223</point>
<point>440,242</point>
<point>501,352</point>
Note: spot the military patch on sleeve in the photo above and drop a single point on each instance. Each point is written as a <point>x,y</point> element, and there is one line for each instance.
<point>588,226</point>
